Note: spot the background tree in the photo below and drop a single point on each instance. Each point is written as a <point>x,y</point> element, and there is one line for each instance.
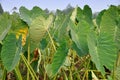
<point>68,9</point>
<point>95,15</point>
<point>47,11</point>
<point>1,10</point>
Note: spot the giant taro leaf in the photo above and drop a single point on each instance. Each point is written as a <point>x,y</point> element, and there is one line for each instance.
<point>61,26</point>
<point>39,27</point>
<point>118,30</point>
<point>80,24</point>
<point>11,50</point>
<point>19,27</point>
<point>38,22</point>
<point>79,36</point>
<point>58,60</point>
<point>63,32</point>
<point>87,12</point>
<point>99,17</point>
<point>29,15</point>
<point>5,25</point>
<point>117,37</point>
<point>103,49</point>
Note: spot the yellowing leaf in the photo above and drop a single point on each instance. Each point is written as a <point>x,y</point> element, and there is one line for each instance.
<point>39,27</point>
<point>74,13</point>
<point>23,32</point>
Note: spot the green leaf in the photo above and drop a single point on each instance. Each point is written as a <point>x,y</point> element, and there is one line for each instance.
<point>80,24</point>
<point>17,23</point>
<point>63,32</point>
<point>80,15</point>
<point>99,17</point>
<point>92,44</point>
<point>58,60</point>
<point>103,49</point>
<point>39,27</point>
<point>59,19</point>
<point>43,43</point>
<point>74,47</point>
<point>61,36</point>
<point>74,14</point>
<point>117,73</point>
<point>29,15</point>
<point>60,29</point>
<point>5,25</point>
<point>25,15</point>
<point>79,36</point>
<point>117,38</point>
<point>87,12</point>
<point>38,22</point>
<point>11,50</point>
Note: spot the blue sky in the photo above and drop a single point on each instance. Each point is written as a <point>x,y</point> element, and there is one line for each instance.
<point>96,5</point>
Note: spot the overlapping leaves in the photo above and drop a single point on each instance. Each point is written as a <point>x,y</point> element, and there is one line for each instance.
<point>29,15</point>
<point>12,44</point>
<point>62,37</point>
<point>80,25</point>
<point>38,22</point>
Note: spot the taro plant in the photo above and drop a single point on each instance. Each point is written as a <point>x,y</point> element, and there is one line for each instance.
<point>36,45</point>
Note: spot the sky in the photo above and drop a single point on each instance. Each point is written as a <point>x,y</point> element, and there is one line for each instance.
<point>95,5</point>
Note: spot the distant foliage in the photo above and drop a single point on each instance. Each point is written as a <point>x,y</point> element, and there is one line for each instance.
<point>1,9</point>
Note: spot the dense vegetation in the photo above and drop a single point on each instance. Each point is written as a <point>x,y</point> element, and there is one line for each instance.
<point>39,45</point>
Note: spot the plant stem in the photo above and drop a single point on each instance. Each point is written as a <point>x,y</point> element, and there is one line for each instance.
<point>39,60</point>
<point>84,75</point>
<point>28,77</point>
<point>4,74</point>
<point>65,76</point>
<point>51,40</point>
<point>70,76</point>
<point>17,71</point>
<point>45,76</point>
<point>33,75</point>
<point>55,77</point>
